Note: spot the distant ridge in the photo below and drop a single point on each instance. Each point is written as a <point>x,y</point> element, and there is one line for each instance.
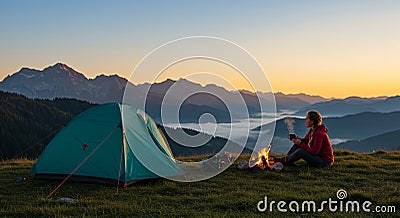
<point>354,105</point>
<point>388,141</point>
<point>25,122</point>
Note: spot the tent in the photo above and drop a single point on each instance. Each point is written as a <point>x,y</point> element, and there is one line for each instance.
<point>98,145</point>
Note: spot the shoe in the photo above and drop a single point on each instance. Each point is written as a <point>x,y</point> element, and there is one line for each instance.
<point>283,161</point>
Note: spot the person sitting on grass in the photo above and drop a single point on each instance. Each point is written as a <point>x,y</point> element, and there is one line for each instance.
<point>315,148</point>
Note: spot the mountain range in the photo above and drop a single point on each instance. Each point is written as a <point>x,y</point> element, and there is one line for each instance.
<point>62,81</point>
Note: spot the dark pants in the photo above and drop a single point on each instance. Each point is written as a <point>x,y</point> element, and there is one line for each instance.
<point>296,153</point>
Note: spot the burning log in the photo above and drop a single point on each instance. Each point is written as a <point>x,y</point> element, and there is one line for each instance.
<point>264,161</point>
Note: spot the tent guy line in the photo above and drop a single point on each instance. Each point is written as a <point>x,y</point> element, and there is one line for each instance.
<point>94,150</point>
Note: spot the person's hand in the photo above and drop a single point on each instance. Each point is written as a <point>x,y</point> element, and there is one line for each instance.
<point>296,141</point>
<point>292,136</point>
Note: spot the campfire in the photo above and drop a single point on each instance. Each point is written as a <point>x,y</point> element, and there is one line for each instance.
<point>262,161</point>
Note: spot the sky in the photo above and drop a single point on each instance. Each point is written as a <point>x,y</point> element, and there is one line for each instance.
<point>329,48</point>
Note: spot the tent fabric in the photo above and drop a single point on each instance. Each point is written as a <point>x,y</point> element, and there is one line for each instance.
<point>101,131</point>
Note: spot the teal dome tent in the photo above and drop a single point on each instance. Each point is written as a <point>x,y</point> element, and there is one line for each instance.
<point>97,145</point>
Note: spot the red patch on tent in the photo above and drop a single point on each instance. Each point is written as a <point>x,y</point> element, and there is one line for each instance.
<point>84,146</point>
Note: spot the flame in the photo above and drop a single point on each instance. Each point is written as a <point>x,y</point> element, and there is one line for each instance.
<point>263,152</point>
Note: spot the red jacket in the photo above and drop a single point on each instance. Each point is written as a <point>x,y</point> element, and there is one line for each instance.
<point>321,145</point>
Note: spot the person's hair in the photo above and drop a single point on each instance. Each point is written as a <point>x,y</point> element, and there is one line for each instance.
<point>316,118</point>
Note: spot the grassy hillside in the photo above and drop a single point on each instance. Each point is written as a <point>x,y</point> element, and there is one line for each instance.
<point>371,177</point>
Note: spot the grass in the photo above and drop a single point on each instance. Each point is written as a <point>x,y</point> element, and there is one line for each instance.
<point>371,177</point>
